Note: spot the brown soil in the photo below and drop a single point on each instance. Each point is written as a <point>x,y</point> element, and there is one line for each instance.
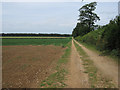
<point>77,78</point>
<point>27,66</point>
<point>0,67</point>
<point>105,65</point>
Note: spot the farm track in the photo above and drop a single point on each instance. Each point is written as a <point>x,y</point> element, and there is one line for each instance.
<point>76,78</point>
<point>105,65</point>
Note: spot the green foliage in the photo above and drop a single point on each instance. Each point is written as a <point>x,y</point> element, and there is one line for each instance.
<point>79,38</point>
<point>91,37</point>
<point>61,42</point>
<point>87,16</point>
<point>106,38</point>
<point>94,38</point>
<point>111,35</point>
<point>87,20</point>
<point>80,30</point>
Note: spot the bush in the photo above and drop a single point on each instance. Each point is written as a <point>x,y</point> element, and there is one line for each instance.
<point>78,38</point>
<point>115,52</point>
<point>106,38</point>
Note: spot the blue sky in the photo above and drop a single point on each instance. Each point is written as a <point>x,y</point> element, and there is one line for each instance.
<point>49,17</point>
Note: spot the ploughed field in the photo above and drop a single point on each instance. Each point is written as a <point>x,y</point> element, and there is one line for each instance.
<point>26,62</point>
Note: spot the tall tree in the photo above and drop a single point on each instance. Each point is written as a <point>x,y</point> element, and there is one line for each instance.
<point>80,30</point>
<point>87,16</point>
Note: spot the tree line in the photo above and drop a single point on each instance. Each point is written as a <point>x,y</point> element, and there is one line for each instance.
<point>106,38</point>
<point>34,34</point>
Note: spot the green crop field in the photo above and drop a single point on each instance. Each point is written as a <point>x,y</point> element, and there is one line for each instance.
<point>48,41</point>
<point>28,37</point>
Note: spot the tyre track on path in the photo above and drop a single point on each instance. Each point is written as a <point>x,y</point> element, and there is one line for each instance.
<point>76,78</point>
<point>108,67</point>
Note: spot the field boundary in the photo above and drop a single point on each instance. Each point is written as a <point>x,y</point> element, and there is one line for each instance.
<point>56,80</point>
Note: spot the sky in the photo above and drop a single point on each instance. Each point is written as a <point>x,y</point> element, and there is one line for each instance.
<point>49,17</point>
<point>59,0</point>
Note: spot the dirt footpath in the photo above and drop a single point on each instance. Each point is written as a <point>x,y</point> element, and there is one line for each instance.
<point>76,78</point>
<point>108,67</point>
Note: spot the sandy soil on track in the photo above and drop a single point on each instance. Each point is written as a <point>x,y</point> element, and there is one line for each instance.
<point>27,66</point>
<point>108,67</point>
<point>76,78</point>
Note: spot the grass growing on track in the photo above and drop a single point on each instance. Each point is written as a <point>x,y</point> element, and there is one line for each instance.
<point>53,41</point>
<point>96,79</point>
<point>56,80</point>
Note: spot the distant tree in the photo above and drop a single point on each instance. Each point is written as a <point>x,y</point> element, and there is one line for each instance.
<point>87,17</point>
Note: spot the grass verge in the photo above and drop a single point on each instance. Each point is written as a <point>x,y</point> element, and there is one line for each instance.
<point>96,79</point>
<point>56,80</point>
